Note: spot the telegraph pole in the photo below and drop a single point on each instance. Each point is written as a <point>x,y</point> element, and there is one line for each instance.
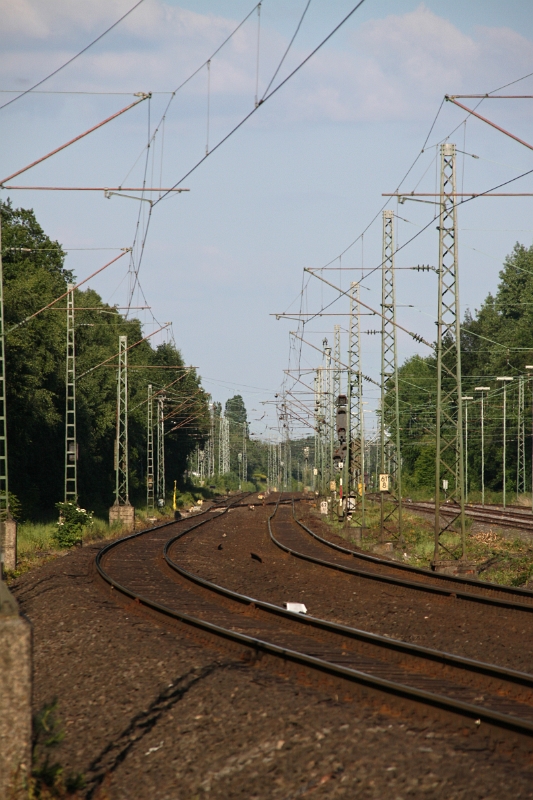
<point>390,411</point>
<point>150,452</point>
<point>122,510</point>
<point>449,412</point>
<point>161,451</point>
<point>71,448</point>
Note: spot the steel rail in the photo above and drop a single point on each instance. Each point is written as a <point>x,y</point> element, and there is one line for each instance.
<point>455,706</point>
<point>495,516</point>
<point>473,592</point>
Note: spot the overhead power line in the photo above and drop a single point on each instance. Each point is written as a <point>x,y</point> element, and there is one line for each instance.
<point>267,97</point>
<point>55,72</point>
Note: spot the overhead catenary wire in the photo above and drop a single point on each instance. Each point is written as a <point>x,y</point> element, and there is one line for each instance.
<point>81,52</point>
<point>257,57</point>
<point>76,138</point>
<point>53,302</point>
<point>285,54</point>
<point>267,97</point>
<point>116,355</point>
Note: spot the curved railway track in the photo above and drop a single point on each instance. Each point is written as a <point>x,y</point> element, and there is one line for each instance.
<point>143,567</point>
<point>309,546</point>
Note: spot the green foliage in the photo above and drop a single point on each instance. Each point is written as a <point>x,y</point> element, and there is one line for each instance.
<point>235,409</point>
<point>72,522</point>
<point>34,275</point>
<point>496,341</point>
<point>48,778</point>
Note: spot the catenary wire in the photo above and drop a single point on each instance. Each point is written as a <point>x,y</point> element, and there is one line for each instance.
<point>81,52</point>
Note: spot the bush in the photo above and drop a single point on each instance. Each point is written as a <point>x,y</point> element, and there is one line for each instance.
<point>72,522</point>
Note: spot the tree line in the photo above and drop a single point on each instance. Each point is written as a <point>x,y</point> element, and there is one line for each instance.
<point>496,341</point>
<point>35,275</point>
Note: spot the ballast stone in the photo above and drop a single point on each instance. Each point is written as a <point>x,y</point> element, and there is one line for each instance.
<point>15,698</point>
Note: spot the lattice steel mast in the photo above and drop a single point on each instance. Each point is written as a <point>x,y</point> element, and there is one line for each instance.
<point>320,428</point>
<point>449,413</point>
<point>355,467</point>
<point>71,448</point>
<point>4,493</point>
<point>161,483</point>
<point>150,498</point>
<point>336,363</point>
<point>329,414</point>
<point>224,456</point>
<point>390,461</point>
<point>244,453</point>
<point>121,444</point>
<point>521,440</point>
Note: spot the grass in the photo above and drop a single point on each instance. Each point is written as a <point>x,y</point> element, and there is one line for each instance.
<point>499,557</point>
<point>36,543</point>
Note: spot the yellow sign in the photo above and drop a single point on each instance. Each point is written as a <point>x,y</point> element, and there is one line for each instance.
<point>332,486</point>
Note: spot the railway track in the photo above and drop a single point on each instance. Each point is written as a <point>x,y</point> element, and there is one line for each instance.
<point>494,515</point>
<point>143,567</point>
<point>316,549</point>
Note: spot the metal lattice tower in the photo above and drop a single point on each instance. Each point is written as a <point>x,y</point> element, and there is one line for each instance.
<point>224,445</point>
<point>211,441</point>
<point>121,444</point>
<point>320,428</point>
<point>330,411</point>
<point>244,454</point>
<point>150,452</point>
<point>390,461</point>
<point>355,467</point>
<point>4,493</point>
<point>220,445</point>
<point>71,448</point>
<point>449,457</point>
<point>160,482</point>
<point>521,439</point>
<point>336,363</point>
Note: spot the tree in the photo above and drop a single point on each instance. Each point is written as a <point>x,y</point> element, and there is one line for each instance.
<point>34,275</point>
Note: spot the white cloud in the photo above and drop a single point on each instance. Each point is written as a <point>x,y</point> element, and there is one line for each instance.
<point>401,66</point>
<point>397,67</point>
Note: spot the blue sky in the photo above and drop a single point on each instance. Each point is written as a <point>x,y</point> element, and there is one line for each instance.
<point>294,187</point>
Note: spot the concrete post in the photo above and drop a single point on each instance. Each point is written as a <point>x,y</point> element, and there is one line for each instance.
<point>15,698</point>
<point>124,514</point>
<point>10,544</point>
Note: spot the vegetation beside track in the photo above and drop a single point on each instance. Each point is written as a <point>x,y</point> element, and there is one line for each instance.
<point>36,542</point>
<point>499,557</point>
